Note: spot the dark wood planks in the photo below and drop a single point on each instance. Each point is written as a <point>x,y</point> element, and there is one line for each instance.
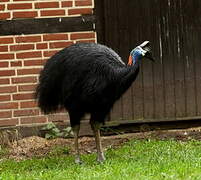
<point>100,20</point>
<point>158,76</point>
<point>178,40</point>
<point>147,68</point>
<point>168,59</point>
<point>190,27</point>
<point>112,39</point>
<point>170,88</point>
<point>127,101</point>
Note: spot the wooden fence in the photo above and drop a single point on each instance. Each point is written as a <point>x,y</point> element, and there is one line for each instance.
<point>168,89</point>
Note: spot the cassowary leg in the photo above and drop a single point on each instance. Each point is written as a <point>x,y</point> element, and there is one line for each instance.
<point>75,117</point>
<point>96,129</point>
<point>76,129</point>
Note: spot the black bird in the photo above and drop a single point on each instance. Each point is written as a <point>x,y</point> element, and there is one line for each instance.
<point>87,78</point>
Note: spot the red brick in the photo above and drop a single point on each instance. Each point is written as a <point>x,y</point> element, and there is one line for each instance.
<point>41,46</point>
<point>4,81</point>
<point>26,39</point>
<point>67,4</point>
<point>20,80</point>
<point>59,44</point>
<point>28,104</point>
<point>86,40</point>
<point>5,98</point>
<point>24,88</point>
<point>6,56</point>
<point>4,16</point>
<point>22,47</point>
<point>9,105</point>
<point>80,11</point>
<point>3,64</point>
<point>23,96</point>
<point>83,3</point>
<point>4,0</point>
<point>27,112</point>
<point>2,7</point>
<point>16,64</point>
<point>75,36</point>
<point>52,12</point>
<point>42,5</point>
<point>52,37</point>
<point>49,53</point>
<point>9,122</point>
<point>34,62</point>
<point>7,73</point>
<point>5,114</point>
<point>28,71</point>
<point>25,55</point>
<point>25,14</point>
<point>22,0</point>
<point>31,120</point>
<point>6,40</point>
<point>3,48</point>
<point>8,89</point>
<point>19,6</point>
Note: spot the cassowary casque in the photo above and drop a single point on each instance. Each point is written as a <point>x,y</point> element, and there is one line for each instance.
<point>87,78</point>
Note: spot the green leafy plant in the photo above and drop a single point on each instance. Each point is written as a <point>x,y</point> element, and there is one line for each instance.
<point>52,132</point>
<point>67,132</point>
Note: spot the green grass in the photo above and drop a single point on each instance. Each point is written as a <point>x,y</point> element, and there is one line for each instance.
<point>136,160</point>
<point>3,152</point>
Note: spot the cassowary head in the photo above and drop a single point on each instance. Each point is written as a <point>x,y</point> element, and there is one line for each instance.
<point>143,50</point>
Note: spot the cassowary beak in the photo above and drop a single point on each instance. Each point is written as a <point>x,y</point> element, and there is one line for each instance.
<point>146,47</point>
<point>149,56</point>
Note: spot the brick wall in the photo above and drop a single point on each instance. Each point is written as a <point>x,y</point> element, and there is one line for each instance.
<point>22,56</point>
<point>15,9</point>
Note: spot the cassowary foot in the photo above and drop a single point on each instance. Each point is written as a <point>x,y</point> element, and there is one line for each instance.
<point>78,161</point>
<point>101,158</point>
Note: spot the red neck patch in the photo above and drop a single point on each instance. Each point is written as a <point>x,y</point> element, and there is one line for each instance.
<point>130,60</point>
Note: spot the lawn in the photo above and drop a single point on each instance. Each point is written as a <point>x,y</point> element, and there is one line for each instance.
<point>136,160</point>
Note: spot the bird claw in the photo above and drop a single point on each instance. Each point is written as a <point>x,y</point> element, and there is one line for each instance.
<point>101,158</point>
<point>78,161</point>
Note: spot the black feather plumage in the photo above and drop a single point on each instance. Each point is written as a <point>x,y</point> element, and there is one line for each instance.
<point>85,77</point>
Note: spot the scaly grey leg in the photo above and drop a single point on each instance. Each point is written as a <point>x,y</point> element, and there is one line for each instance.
<point>76,129</point>
<point>96,129</point>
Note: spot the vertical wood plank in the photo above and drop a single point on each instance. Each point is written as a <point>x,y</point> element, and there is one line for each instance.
<point>189,57</point>
<point>178,39</point>
<point>168,63</point>
<point>113,41</point>
<point>145,33</point>
<point>196,39</point>
<point>197,50</point>
<point>156,39</point>
<point>137,86</point>
<point>127,104</point>
<point>100,21</point>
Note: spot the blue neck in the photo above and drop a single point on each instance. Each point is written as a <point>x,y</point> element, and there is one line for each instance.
<point>136,56</point>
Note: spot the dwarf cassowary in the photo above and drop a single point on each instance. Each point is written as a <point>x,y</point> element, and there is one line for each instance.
<point>87,78</point>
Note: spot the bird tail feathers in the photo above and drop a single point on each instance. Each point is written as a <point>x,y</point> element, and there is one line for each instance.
<point>48,91</point>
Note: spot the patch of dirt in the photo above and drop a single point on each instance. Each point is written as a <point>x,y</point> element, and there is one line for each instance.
<point>38,147</point>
